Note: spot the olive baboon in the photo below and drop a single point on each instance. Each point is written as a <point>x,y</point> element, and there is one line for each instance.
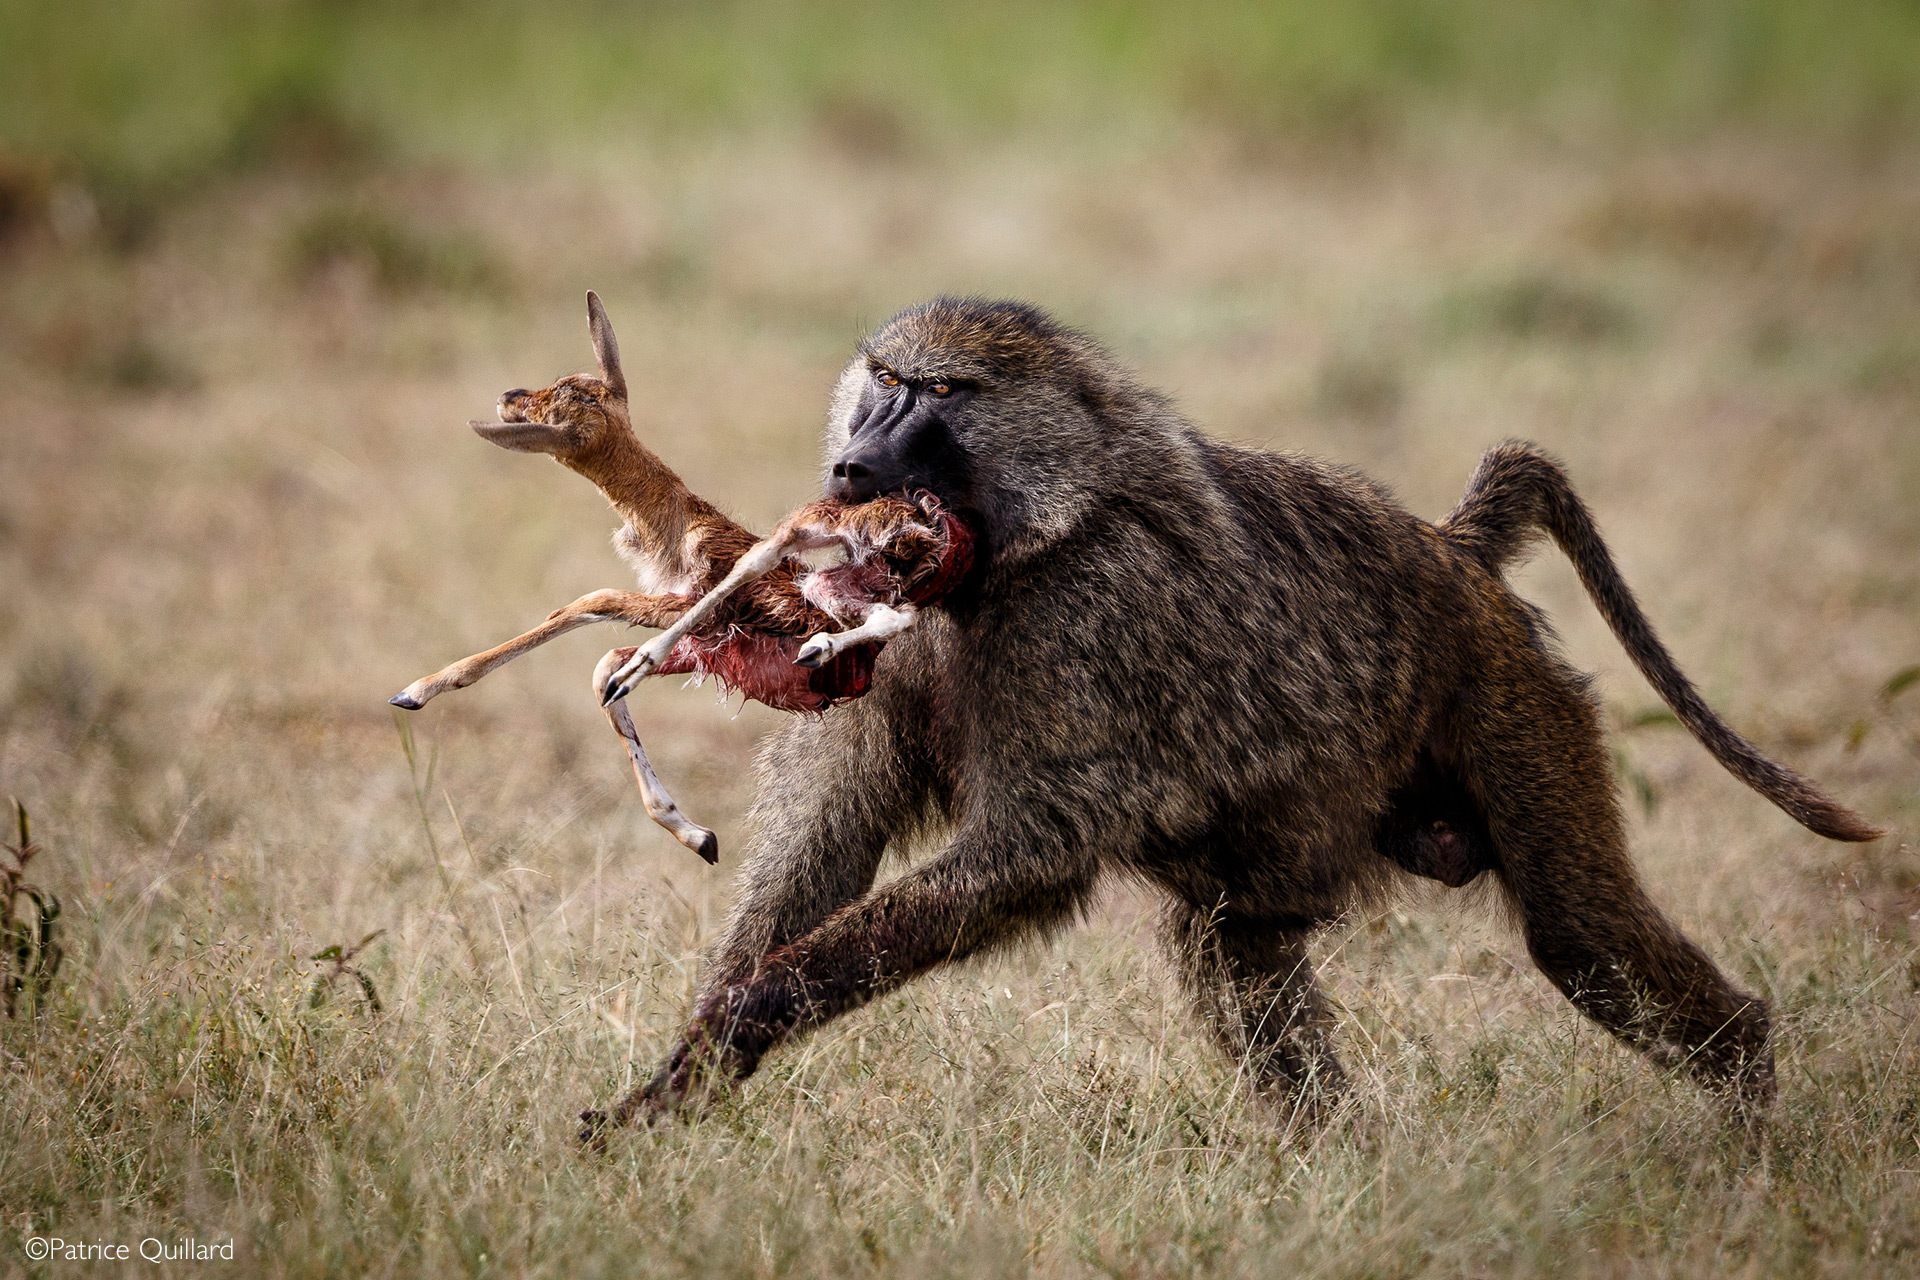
<point>1242,677</point>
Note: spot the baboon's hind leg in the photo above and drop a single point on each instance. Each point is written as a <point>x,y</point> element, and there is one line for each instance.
<point>1533,748</point>
<point>1252,985</point>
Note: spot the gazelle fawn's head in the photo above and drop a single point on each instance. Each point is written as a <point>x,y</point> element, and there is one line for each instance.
<point>575,416</point>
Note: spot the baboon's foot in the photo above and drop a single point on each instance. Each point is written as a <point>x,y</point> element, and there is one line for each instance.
<point>1731,1055</point>
<point>1309,1101</point>
<point>720,1048</point>
<point>1744,1078</point>
<point>1755,1087</point>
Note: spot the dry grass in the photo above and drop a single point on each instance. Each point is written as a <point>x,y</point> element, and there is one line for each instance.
<point>238,510</point>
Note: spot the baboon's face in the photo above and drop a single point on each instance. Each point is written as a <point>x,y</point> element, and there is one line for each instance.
<point>1003,415</point>
<point>566,419</point>
<point>903,435</point>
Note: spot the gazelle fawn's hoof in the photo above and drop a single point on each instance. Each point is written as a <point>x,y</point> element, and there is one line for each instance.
<point>704,843</point>
<point>815,651</point>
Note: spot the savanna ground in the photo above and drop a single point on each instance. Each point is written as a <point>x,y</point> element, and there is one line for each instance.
<point>260,262</point>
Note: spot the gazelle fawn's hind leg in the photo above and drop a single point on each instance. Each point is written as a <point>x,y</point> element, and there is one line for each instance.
<point>660,805</point>
<point>757,562</point>
<point>1252,986</point>
<point>882,622</point>
<point>1533,748</point>
<point>598,606</point>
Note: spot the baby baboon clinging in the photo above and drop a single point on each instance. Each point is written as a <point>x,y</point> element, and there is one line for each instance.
<point>1240,676</point>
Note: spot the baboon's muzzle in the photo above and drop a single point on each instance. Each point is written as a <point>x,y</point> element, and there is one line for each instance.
<point>853,480</point>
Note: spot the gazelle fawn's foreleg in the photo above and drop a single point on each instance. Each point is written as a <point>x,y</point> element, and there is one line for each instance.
<point>881,622</point>
<point>757,562</point>
<point>599,606</point>
<point>660,805</point>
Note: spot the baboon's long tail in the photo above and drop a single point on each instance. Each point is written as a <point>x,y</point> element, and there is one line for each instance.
<point>1518,492</point>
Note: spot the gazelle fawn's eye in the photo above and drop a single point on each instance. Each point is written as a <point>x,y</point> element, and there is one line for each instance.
<point>939,389</point>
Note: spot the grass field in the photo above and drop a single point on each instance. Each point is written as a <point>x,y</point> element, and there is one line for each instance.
<point>260,262</point>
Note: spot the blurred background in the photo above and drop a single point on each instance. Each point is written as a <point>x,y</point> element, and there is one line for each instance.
<point>261,259</point>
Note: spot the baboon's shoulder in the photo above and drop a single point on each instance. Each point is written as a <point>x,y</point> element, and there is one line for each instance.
<point>1319,501</point>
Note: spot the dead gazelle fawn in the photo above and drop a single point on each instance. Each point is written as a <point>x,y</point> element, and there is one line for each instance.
<point>744,611</point>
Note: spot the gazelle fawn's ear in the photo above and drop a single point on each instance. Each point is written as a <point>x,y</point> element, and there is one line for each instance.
<point>606,349</point>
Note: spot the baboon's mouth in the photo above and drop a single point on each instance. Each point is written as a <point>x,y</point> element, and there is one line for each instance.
<point>918,513</point>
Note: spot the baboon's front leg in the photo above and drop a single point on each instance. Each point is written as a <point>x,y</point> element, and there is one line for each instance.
<point>598,606</point>
<point>983,891</point>
<point>1252,985</point>
<point>660,805</point>
<point>832,791</point>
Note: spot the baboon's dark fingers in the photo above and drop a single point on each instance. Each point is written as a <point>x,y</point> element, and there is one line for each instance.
<point>593,1131</point>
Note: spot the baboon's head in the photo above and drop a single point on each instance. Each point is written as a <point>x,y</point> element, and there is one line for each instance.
<point>994,408</point>
<point>574,416</point>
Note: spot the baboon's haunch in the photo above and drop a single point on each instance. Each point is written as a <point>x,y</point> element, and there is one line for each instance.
<point>1247,678</point>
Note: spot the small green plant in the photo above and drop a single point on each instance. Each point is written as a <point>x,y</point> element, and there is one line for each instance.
<point>340,962</point>
<point>29,954</point>
<point>1885,713</point>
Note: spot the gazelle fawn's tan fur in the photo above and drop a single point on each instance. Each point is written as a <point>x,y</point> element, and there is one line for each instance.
<point>730,606</point>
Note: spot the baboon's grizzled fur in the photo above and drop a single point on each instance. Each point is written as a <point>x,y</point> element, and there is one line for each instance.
<point>1248,679</point>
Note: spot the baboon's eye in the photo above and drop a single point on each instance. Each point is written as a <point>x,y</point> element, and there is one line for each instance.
<point>887,378</point>
<point>939,389</point>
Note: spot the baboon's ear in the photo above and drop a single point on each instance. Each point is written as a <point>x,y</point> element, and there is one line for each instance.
<point>606,349</point>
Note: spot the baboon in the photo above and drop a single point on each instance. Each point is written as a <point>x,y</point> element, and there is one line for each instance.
<point>1249,679</point>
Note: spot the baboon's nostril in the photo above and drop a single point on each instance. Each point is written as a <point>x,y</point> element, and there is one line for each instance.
<point>852,481</point>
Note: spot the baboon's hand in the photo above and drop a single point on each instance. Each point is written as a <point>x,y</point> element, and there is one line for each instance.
<point>660,1098</point>
<point>593,1130</point>
<point>695,1074</point>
